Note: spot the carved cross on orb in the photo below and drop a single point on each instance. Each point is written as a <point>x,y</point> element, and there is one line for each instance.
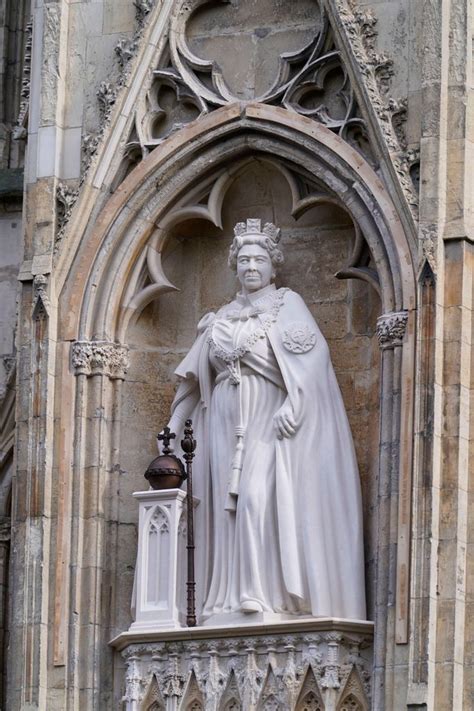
<point>166,436</point>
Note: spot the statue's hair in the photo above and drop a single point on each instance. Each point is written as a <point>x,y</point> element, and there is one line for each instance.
<point>251,232</point>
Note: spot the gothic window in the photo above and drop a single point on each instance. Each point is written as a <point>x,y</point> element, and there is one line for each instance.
<point>233,705</point>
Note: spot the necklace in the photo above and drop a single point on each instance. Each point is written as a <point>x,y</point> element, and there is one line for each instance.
<point>267,318</point>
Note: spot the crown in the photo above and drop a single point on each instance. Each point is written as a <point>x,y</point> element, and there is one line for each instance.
<point>254,227</point>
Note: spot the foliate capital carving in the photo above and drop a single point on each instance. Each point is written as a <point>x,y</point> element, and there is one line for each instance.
<point>391,329</point>
<point>100,358</point>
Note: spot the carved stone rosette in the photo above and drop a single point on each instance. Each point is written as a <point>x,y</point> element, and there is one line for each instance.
<point>286,670</point>
<point>391,329</point>
<point>100,358</point>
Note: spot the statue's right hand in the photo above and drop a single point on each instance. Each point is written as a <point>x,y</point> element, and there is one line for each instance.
<point>284,421</point>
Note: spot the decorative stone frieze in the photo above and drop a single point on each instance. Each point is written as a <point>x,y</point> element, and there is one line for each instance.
<point>99,358</point>
<point>253,670</point>
<point>391,329</point>
<point>20,129</point>
<point>375,71</point>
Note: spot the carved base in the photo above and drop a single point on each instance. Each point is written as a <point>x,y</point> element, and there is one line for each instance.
<point>317,664</point>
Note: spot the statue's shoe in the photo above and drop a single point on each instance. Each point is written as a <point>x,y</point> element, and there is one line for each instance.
<point>251,606</point>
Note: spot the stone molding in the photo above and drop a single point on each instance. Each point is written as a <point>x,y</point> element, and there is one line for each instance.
<point>100,358</point>
<point>375,71</point>
<point>20,130</point>
<point>391,329</point>
<point>253,669</point>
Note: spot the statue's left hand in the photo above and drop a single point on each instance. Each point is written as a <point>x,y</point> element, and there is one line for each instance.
<point>284,421</point>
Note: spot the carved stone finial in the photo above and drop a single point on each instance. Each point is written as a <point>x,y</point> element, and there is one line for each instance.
<point>391,329</point>
<point>100,358</point>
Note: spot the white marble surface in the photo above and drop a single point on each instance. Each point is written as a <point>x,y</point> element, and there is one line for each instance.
<point>158,562</point>
<point>280,529</point>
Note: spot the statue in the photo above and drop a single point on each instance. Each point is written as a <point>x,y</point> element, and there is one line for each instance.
<point>279,524</point>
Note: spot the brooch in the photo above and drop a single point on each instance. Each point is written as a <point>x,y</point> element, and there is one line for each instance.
<point>299,338</point>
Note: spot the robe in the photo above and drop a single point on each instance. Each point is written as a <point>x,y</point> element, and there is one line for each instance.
<point>293,542</point>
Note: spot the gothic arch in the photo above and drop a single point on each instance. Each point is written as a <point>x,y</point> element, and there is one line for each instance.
<point>131,217</point>
<point>99,284</point>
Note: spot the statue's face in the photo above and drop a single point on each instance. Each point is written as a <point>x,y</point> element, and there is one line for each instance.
<point>254,267</point>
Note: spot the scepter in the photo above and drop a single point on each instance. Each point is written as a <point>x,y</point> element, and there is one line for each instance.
<point>189,445</point>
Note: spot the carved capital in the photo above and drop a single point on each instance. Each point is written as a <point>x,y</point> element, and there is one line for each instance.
<point>391,329</point>
<point>100,358</point>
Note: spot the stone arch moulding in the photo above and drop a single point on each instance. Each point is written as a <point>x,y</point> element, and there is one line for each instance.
<point>136,212</point>
<point>104,286</point>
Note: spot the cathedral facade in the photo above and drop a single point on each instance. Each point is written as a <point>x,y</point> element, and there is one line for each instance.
<point>134,135</point>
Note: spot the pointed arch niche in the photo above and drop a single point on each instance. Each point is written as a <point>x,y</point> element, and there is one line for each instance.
<point>154,261</point>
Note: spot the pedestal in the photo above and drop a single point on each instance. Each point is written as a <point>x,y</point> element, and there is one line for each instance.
<point>161,560</point>
<point>314,664</point>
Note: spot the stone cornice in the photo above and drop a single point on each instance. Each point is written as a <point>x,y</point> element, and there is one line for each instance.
<point>99,358</point>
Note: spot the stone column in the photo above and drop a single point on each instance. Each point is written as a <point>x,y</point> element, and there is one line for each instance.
<point>99,367</point>
<point>5,533</point>
<point>391,328</point>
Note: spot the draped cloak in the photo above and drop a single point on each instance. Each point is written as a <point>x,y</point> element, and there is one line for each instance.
<point>317,487</point>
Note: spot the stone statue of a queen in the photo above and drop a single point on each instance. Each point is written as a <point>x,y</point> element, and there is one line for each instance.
<point>279,524</point>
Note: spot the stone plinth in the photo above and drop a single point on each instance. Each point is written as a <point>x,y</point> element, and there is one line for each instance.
<point>159,559</point>
<point>319,664</point>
